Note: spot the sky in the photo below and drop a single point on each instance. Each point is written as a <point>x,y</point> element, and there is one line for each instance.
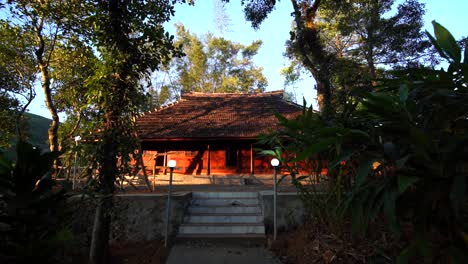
<point>275,31</point>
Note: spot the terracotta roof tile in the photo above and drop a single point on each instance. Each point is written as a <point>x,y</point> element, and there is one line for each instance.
<point>216,115</point>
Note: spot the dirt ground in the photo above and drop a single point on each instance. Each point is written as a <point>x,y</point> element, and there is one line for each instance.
<point>309,244</point>
<point>149,252</point>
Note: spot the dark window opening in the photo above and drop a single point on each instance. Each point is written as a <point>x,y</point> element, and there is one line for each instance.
<point>231,156</point>
<point>160,160</point>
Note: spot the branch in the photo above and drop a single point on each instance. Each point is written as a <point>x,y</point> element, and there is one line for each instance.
<point>313,10</point>
<point>52,46</point>
<point>76,125</point>
<point>297,15</point>
<point>29,99</point>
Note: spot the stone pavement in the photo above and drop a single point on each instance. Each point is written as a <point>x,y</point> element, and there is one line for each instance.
<point>220,252</point>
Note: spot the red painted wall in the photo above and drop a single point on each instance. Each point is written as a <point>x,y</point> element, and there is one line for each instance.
<point>196,162</point>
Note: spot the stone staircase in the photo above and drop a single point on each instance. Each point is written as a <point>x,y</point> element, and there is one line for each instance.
<point>223,215</point>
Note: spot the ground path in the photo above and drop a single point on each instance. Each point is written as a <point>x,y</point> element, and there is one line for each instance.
<point>220,252</point>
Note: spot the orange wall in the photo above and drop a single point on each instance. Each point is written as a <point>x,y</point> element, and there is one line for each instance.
<point>196,162</point>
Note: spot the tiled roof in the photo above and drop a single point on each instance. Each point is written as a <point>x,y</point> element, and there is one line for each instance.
<point>216,116</point>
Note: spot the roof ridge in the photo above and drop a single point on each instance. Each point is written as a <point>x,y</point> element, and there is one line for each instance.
<point>163,107</point>
<point>205,94</point>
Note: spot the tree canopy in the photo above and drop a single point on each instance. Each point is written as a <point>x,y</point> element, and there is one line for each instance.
<point>92,57</point>
<point>44,27</point>
<point>17,78</point>
<point>211,64</point>
<point>336,40</point>
<point>394,160</point>
<point>131,42</point>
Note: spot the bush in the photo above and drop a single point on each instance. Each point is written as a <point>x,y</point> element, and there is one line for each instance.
<point>399,152</point>
<point>31,219</point>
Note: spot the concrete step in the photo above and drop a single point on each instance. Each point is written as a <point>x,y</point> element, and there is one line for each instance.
<point>216,209</point>
<point>223,215</point>
<point>223,218</point>
<point>206,195</point>
<point>236,239</point>
<point>234,201</point>
<point>165,180</point>
<point>222,228</point>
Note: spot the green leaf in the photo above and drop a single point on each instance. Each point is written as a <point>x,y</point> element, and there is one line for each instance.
<point>465,54</point>
<point>357,215</point>
<point>281,119</point>
<point>328,131</point>
<point>300,178</point>
<point>380,103</point>
<point>457,192</point>
<point>268,152</point>
<point>436,45</point>
<point>424,248</point>
<point>363,171</point>
<point>344,156</point>
<point>465,60</point>
<point>401,162</point>
<point>421,141</point>
<point>390,210</point>
<point>315,148</point>
<point>354,133</point>
<point>281,179</point>
<point>465,68</point>
<point>404,182</point>
<point>403,93</point>
<point>376,201</point>
<point>458,255</point>
<point>406,254</point>
<point>447,42</point>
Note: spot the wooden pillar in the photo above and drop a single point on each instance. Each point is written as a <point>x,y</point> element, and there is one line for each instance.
<point>154,165</point>
<point>252,172</point>
<point>165,161</point>
<point>208,163</point>
<point>239,160</point>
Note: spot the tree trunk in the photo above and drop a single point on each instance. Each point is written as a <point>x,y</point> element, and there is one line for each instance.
<point>324,97</point>
<point>45,83</point>
<point>53,129</point>
<point>99,252</point>
<point>370,41</point>
<point>313,55</point>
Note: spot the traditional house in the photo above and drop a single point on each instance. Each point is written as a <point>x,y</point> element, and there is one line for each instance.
<point>212,133</point>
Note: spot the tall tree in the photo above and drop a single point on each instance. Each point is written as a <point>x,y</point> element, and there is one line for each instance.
<point>132,42</point>
<point>375,37</point>
<point>74,62</point>
<point>17,78</point>
<point>44,20</point>
<point>305,40</point>
<point>215,64</point>
<point>330,37</point>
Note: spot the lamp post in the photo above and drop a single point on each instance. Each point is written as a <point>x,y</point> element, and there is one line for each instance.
<point>77,138</point>
<point>275,163</point>
<point>171,164</point>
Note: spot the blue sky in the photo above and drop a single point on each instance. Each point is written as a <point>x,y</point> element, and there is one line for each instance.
<point>275,31</point>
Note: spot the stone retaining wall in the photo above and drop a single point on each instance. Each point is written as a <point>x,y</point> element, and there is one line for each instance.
<point>290,210</point>
<point>141,217</point>
<point>135,217</point>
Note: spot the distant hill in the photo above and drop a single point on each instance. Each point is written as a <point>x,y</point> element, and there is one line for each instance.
<point>36,132</point>
<point>37,127</point>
